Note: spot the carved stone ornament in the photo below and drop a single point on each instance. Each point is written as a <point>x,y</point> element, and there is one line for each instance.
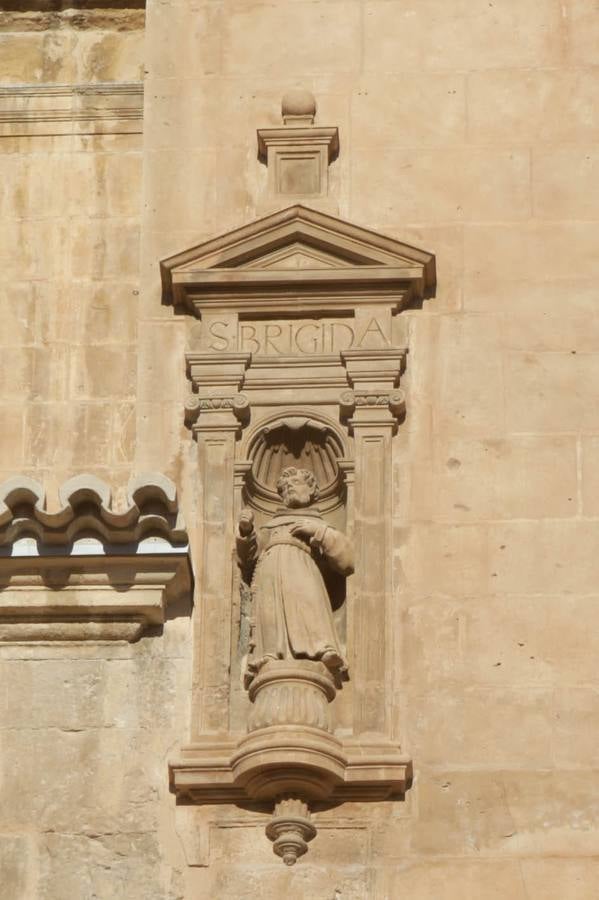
<point>112,574</point>
<point>298,155</point>
<point>294,367</point>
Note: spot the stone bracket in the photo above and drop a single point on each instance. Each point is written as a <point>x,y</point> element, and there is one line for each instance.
<point>204,772</point>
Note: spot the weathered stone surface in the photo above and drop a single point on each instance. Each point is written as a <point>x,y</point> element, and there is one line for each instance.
<point>466,127</point>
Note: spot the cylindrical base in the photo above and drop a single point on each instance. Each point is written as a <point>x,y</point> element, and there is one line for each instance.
<point>291,692</point>
<point>289,748</point>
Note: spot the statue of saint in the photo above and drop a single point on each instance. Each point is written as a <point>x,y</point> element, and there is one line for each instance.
<point>291,608</point>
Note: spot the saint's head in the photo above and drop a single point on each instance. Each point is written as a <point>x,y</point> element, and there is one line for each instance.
<point>297,487</point>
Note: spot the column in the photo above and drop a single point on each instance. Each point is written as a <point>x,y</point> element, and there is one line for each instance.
<point>371,409</point>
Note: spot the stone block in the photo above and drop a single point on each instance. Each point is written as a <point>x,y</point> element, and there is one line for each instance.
<point>32,249</point>
<point>174,36</point>
<point>520,295</point>
<point>499,640</point>
<point>33,190</point>
<point>520,105</point>
<point>11,436</point>
<point>103,55</point>
<point>70,694</point>
<point>56,313</point>
<point>123,433</point>
<point>513,727</point>
<point>464,34</point>
<point>105,184</point>
<point>119,866</point>
<point>229,880</point>
<point>44,430</point>
<point>547,330</point>
<point>170,173</point>
<point>70,779</point>
<point>582,32</point>
<point>507,814</point>
<point>450,880</point>
<point>556,879</point>
<point>104,249</point>
<point>262,38</point>
<point>427,109</point>
<point>17,369</point>
<point>161,361</point>
<point>563,182</point>
<point>36,57</point>
<point>523,476</point>
<point>51,372</point>
<point>92,422</point>
<point>543,557</point>
<point>556,250</point>
<point>552,816</point>
<point>162,442</point>
<point>551,392</point>
<point>462,403</point>
<point>17,315</point>
<point>575,723</point>
<point>17,866</point>
<point>447,560</point>
<point>105,313</point>
<point>446,185</point>
<point>590,475</point>
<point>104,371</point>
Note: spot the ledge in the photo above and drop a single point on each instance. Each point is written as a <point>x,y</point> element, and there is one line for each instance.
<point>203,772</point>
<point>65,109</point>
<point>87,572</point>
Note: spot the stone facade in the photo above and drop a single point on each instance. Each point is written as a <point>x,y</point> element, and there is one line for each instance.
<point>466,129</point>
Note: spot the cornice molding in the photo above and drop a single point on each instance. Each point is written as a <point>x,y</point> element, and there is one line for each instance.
<point>54,109</point>
<point>86,508</point>
<point>298,257</point>
<point>87,571</point>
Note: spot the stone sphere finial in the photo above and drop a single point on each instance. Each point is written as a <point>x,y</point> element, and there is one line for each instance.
<point>298,106</point>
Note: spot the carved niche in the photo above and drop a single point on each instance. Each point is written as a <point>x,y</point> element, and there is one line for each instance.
<point>295,367</point>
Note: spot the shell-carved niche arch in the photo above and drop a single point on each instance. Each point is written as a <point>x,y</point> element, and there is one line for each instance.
<point>302,440</point>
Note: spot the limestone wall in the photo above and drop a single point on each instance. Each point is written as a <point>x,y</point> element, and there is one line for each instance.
<point>71,164</point>
<point>84,728</point>
<point>468,128</point>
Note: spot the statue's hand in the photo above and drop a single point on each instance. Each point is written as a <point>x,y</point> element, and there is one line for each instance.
<point>246,522</point>
<point>307,528</point>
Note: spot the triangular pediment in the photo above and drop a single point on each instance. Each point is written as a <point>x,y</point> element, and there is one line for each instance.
<point>297,256</point>
<point>298,248</point>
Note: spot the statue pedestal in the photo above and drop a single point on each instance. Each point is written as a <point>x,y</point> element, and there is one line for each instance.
<point>291,692</point>
<point>290,755</point>
<point>289,748</point>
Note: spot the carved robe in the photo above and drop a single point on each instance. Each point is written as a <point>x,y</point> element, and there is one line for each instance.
<point>291,608</point>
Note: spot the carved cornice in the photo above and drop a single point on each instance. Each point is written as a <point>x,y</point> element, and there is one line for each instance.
<point>374,369</point>
<point>100,108</point>
<point>343,265</point>
<point>298,139</point>
<point>85,509</point>
<point>87,571</point>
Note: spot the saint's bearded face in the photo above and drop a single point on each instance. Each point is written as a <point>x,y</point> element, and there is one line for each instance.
<point>296,491</point>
